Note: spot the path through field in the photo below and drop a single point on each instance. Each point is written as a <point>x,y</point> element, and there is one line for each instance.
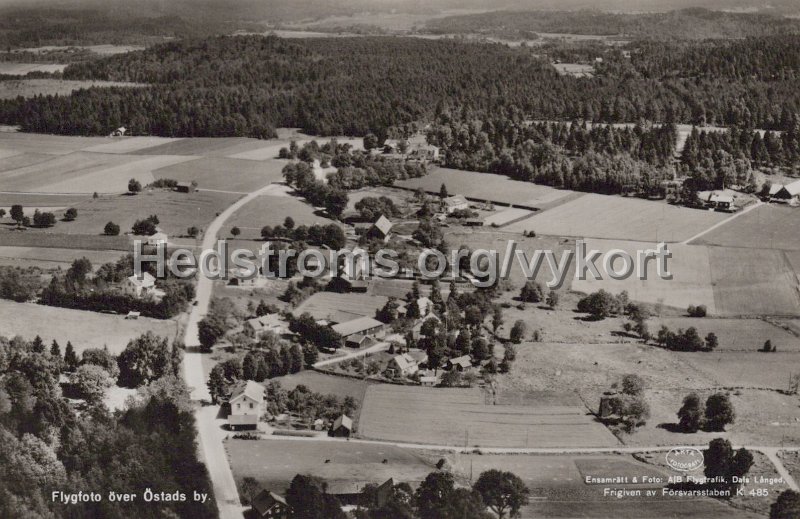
<point>746,210</point>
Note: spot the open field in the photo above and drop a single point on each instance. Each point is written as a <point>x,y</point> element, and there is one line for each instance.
<point>83,329</point>
<point>10,89</point>
<point>176,211</point>
<point>59,240</point>
<point>574,69</point>
<point>734,334</point>
<point>747,369</point>
<point>461,417</point>
<point>46,144</point>
<point>106,49</point>
<point>50,258</point>
<point>472,184</point>
<point>20,69</point>
<point>615,217</point>
<point>689,266</point>
<point>506,216</point>
<point>83,172</point>
<point>41,200</point>
<point>753,282</point>
<point>558,489</point>
<point>224,173</point>
<point>273,210</point>
<point>204,146</point>
<point>769,226</point>
<point>274,463</point>
<point>497,240</point>
<point>763,417</point>
<point>340,307</point>
<point>129,144</point>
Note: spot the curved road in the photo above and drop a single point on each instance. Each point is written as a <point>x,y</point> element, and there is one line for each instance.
<point>209,427</point>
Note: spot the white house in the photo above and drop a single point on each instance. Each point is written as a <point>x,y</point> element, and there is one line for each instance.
<point>140,287</point>
<point>402,365</point>
<point>246,402</point>
<point>454,203</point>
<point>258,326</point>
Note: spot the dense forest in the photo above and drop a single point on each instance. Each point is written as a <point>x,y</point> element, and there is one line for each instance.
<point>48,445</point>
<point>603,158</point>
<point>675,25</point>
<point>229,86</point>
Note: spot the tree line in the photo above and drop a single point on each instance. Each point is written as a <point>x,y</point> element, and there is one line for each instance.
<point>249,85</point>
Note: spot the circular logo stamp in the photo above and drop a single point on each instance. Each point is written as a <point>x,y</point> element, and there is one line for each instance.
<point>685,459</point>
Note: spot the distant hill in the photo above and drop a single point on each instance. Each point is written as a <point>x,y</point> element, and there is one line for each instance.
<point>695,23</point>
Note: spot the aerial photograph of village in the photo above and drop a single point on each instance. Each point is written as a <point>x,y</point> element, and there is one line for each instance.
<point>372,259</point>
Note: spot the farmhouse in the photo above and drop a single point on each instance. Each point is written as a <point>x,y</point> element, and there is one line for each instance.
<point>381,229</point>
<point>342,427</point>
<point>790,193</point>
<point>462,363</point>
<point>258,326</point>
<point>271,505</point>
<point>717,200</point>
<point>454,203</point>
<point>426,153</point>
<point>366,326</point>
<point>139,287</point>
<point>246,401</point>
<point>186,187</point>
<point>402,365</point>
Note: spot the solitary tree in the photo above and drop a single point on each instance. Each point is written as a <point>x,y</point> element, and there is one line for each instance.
<point>2,213</point>
<point>17,214</point>
<point>552,299</point>
<point>192,231</point>
<point>70,214</point>
<point>518,331</point>
<point>134,186</point>
<point>443,191</point>
<point>532,292</point>
<point>111,229</point>
<point>502,492</point>
<point>236,232</point>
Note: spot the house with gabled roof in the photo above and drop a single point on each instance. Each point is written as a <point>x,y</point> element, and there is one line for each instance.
<point>342,427</point>
<point>366,326</point>
<point>381,229</point>
<point>790,193</point>
<point>271,505</point>
<point>454,203</point>
<point>246,402</point>
<point>403,365</point>
<point>461,363</point>
<point>140,287</point>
